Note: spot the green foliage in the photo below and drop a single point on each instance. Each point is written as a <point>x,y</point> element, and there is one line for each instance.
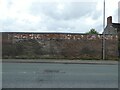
<point>92,31</point>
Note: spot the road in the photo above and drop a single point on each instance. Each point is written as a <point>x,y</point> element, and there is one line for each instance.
<point>51,75</point>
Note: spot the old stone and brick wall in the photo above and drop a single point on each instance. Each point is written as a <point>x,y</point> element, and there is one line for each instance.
<point>119,43</point>
<point>70,45</point>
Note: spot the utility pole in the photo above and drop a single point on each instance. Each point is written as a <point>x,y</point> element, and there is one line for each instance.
<point>104,31</point>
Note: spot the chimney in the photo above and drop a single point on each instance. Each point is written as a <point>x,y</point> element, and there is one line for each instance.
<point>109,20</point>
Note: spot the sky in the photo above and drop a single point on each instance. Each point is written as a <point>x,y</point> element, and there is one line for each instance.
<point>66,16</point>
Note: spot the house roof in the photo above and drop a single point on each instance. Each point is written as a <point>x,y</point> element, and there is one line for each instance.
<point>116,25</point>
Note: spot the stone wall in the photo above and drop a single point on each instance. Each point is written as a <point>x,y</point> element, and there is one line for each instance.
<point>71,46</point>
<point>111,49</point>
<point>119,43</point>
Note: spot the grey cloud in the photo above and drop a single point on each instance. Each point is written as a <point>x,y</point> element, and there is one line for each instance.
<point>8,21</point>
<point>119,12</point>
<point>72,10</point>
<point>116,15</point>
<point>9,3</point>
<point>71,19</point>
<point>38,8</point>
<point>99,28</point>
<point>77,10</point>
<point>53,24</point>
<point>11,24</point>
<point>96,14</point>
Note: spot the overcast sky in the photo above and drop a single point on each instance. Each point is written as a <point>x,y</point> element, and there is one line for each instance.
<point>69,16</point>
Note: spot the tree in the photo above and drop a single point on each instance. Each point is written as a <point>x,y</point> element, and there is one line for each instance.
<point>92,31</point>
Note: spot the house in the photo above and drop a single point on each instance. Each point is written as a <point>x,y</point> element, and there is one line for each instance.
<point>111,28</point>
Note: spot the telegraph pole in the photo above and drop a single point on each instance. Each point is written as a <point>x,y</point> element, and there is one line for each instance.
<point>103,31</point>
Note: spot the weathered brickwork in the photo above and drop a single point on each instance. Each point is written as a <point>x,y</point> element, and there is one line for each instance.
<point>71,45</point>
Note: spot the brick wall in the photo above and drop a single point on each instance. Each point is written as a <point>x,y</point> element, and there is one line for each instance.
<point>72,46</point>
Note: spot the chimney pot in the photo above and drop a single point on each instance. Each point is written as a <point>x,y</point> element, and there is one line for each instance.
<point>109,20</point>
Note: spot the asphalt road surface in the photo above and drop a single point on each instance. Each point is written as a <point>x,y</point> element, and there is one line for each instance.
<point>51,75</point>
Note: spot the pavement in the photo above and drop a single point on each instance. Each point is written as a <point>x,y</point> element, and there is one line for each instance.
<point>62,61</point>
